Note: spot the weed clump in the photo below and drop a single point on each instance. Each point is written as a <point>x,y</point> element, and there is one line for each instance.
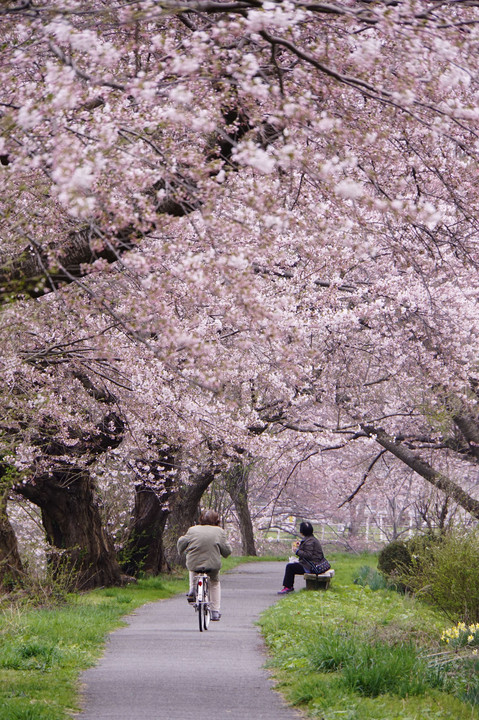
<point>370,577</point>
<point>379,669</point>
<point>370,669</point>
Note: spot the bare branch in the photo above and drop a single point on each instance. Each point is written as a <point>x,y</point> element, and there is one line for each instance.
<point>364,478</point>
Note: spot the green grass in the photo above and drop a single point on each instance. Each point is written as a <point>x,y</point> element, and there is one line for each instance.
<point>349,652</point>
<point>43,650</point>
<point>366,654</point>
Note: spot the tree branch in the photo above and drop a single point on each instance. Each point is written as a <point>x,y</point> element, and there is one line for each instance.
<point>31,273</point>
<point>424,469</point>
<point>364,478</point>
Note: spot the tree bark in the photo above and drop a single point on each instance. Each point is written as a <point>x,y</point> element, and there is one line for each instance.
<point>449,487</point>
<point>237,487</point>
<point>83,555</point>
<point>11,567</point>
<point>144,550</point>
<point>468,426</point>
<point>184,512</point>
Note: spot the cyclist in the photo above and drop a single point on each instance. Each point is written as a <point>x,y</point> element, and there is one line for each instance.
<point>204,545</point>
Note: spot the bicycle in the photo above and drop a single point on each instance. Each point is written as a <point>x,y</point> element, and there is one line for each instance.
<point>202,600</point>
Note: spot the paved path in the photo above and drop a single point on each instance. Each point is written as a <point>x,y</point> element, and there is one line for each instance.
<point>161,667</point>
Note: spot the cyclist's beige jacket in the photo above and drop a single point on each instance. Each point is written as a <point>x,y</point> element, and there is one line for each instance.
<point>204,545</point>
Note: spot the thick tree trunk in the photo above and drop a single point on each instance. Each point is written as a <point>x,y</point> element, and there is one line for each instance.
<point>143,550</point>
<point>237,486</point>
<point>83,553</point>
<point>184,512</point>
<point>11,568</point>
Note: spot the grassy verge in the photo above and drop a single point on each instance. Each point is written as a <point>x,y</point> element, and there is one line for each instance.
<point>43,650</point>
<point>358,654</point>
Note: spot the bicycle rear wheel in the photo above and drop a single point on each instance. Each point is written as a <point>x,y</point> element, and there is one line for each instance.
<point>201,601</point>
<point>206,617</point>
<point>206,605</point>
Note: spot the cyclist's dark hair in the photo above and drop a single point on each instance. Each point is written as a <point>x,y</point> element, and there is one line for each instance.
<point>306,529</point>
<point>209,517</point>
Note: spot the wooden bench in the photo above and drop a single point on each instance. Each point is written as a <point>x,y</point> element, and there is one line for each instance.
<point>318,582</point>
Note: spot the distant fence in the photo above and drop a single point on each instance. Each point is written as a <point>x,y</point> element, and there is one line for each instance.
<point>367,534</point>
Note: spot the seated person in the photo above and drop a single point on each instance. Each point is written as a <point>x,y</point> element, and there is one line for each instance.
<point>308,549</point>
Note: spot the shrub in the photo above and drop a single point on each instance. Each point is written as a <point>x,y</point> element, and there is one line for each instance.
<point>394,559</point>
<point>421,547</point>
<point>447,574</point>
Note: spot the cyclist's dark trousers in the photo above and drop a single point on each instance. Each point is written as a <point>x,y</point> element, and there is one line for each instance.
<point>292,569</point>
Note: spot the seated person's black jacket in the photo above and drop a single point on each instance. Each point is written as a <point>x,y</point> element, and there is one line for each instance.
<point>310,549</point>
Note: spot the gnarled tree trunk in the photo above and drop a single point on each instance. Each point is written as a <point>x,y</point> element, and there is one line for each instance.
<point>82,552</point>
<point>143,550</point>
<point>73,527</point>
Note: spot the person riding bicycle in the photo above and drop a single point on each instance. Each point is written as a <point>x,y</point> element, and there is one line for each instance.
<point>204,545</point>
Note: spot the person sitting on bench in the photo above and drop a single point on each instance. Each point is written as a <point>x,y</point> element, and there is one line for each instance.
<point>308,549</point>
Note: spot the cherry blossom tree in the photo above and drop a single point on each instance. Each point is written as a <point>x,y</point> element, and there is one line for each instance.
<point>252,224</point>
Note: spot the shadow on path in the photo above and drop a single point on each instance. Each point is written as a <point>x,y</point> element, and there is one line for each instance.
<point>161,667</point>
